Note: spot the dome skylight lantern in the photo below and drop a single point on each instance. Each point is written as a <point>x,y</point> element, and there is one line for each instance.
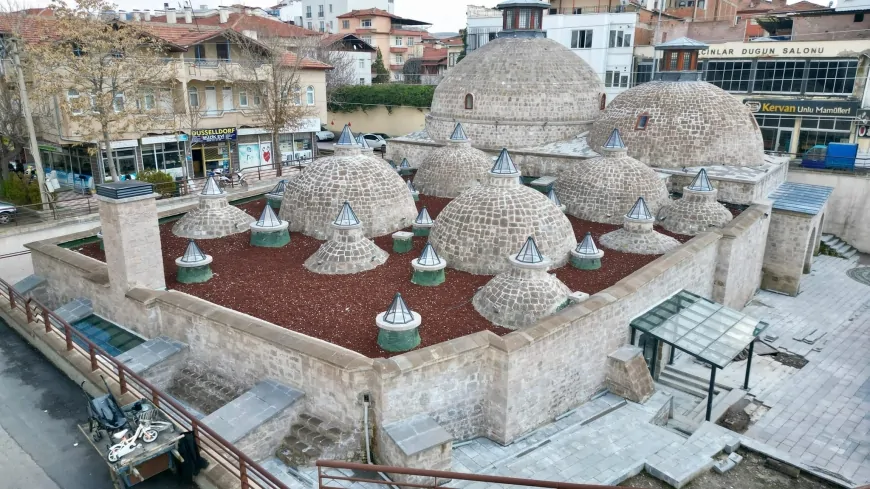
<point>555,199</point>
<point>587,256</point>
<point>701,183</point>
<point>346,144</point>
<point>405,167</point>
<point>423,223</point>
<point>398,327</point>
<point>428,267</point>
<point>269,231</point>
<point>211,188</point>
<point>414,193</point>
<point>697,210</point>
<point>364,145</point>
<point>194,266</point>
<point>275,195</point>
<point>348,250</point>
<point>638,234</point>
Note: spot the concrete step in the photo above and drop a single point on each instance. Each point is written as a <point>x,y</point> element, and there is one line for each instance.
<point>851,253</point>
<point>699,387</point>
<point>828,238</point>
<point>310,438</point>
<point>724,402</point>
<point>703,380</point>
<point>842,247</point>
<point>681,387</point>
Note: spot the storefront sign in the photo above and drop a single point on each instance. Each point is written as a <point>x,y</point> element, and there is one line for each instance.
<point>786,49</point>
<point>50,148</point>
<point>818,108</point>
<point>304,125</point>
<point>127,143</point>
<point>213,135</point>
<point>169,138</point>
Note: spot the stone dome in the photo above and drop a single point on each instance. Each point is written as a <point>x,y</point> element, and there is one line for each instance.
<point>449,170</point>
<point>697,211</point>
<point>213,217</point>
<point>478,229</point>
<point>377,193</point>
<point>687,123</point>
<point>523,92</point>
<point>602,189</point>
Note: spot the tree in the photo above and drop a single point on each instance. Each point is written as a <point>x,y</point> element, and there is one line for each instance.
<point>271,75</point>
<point>342,61</point>
<point>464,45</point>
<point>13,131</point>
<point>100,70</point>
<point>382,74</point>
<point>412,70</point>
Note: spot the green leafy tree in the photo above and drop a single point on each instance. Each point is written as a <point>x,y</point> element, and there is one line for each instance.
<point>464,45</point>
<point>164,184</point>
<point>382,75</point>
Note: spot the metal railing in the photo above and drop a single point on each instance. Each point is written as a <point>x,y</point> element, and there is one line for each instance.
<point>594,9</point>
<point>435,479</point>
<point>218,450</point>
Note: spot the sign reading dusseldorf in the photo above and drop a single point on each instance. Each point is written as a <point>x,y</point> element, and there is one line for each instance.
<point>843,108</point>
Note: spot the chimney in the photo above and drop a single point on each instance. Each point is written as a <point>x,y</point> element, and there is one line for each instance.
<point>188,15</point>
<point>224,15</point>
<point>146,16</point>
<point>137,17</point>
<point>170,16</point>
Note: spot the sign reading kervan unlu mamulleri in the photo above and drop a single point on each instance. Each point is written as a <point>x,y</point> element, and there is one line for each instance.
<point>786,49</point>
<point>830,108</point>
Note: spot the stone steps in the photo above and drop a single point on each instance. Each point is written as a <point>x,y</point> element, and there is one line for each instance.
<point>310,438</point>
<point>691,386</point>
<point>840,246</point>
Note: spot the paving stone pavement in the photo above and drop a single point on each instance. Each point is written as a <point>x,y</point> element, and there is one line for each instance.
<point>821,413</point>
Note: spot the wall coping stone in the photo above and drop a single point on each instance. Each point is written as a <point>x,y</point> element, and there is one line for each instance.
<point>743,222</point>
<point>253,408</point>
<point>150,353</point>
<point>417,433</point>
<point>144,296</point>
<point>415,359</point>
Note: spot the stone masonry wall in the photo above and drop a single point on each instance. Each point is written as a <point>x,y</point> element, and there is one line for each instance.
<point>262,442</point>
<point>416,151</point>
<point>738,266</point>
<point>786,250</point>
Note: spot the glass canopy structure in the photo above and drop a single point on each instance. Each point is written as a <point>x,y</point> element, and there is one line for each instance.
<point>702,328</point>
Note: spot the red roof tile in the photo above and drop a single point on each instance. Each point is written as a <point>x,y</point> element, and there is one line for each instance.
<point>313,64</point>
<point>242,22</point>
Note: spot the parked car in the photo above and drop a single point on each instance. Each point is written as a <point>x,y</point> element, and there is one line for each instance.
<point>7,212</point>
<point>376,142</point>
<point>381,134</point>
<point>324,134</point>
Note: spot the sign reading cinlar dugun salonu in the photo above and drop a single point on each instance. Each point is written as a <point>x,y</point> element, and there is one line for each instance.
<point>837,108</point>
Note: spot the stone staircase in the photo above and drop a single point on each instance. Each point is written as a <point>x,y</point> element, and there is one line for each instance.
<point>843,248</point>
<point>723,398</point>
<point>310,439</point>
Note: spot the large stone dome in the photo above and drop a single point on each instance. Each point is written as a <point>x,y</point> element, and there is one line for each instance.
<point>603,189</point>
<point>524,92</point>
<point>449,170</point>
<point>689,123</point>
<point>377,193</point>
<point>478,229</point>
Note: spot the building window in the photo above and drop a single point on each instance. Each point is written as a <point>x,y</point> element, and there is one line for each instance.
<point>118,102</point>
<point>642,121</point>
<point>400,59</point>
<point>508,19</point>
<point>615,79</point>
<point>524,18</point>
<point>330,8</point>
<point>672,60</point>
<point>859,17</point>
<point>469,101</point>
<point>642,73</point>
<point>687,61</point>
<point>731,76</point>
<point>162,157</point>
<point>581,39</point>
<point>620,39</point>
<point>410,41</point>
<point>193,96</point>
<point>199,53</point>
<point>779,76</point>
<point>322,26</point>
<point>603,101</point>
<point>362,81</point>
<point>148,100</point>
<point>320,10</point>
<point>451,59</point>
<point>831,77</point>
<point>309,95</point>
<point>243,98</point>
<point>345,24</point>
<point>72,96</point>
<point>366,22</point>
<point>308,11</point>
<point>362,64</point>
<point>367,39</point>
<point>397,41</point>
<point>310,27</point>
<point>823,131</point>
<point>223,51</point>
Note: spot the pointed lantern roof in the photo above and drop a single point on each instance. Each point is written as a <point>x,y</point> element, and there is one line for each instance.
<point>405,163</point>
<point>360,140</point>
<point>192,254</point>
<point>530,253</point>
<point>411,187</point>
<point>346,138</point>
<point>614,141</point>
<point>398,312</point>
<point>423,217</point>
<point>639,211</point>
<point>587,246</point>
<point>458,133</point>
<point>211,187</point>
<point>429,257</point>
<point>279,188</point>
<point>701,183</point>
<point>504,165</point>
<point>346,217</point>
<point>268,219</point>
<point>553,197</point>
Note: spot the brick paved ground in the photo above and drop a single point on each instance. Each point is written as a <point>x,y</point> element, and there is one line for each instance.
<point>821,413</point>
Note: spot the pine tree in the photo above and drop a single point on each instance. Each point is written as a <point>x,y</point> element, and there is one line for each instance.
<point>382,75</point>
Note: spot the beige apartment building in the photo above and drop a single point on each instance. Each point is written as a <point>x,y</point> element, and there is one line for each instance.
<point>198,122</point>
<point>398,39</point>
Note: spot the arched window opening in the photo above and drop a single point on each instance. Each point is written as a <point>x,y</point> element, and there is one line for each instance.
<point>469,101</point>
<point>309,95</point>
<point>603,101</point>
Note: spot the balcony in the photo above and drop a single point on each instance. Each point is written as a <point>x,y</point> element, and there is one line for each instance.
<point>594,9</point>
<point>398,49</point>
<point>394,67</point>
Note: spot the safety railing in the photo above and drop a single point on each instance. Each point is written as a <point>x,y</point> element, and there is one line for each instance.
<point>820,161</point>
<point>216,448</point>
<point>333,474</point>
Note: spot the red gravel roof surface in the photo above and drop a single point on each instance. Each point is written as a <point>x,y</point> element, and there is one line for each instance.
<point>272,284</point>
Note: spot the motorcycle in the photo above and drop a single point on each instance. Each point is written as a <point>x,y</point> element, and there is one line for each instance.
<point>232,179</point>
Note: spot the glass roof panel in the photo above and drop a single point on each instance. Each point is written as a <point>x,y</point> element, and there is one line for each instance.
<point>710,331</point>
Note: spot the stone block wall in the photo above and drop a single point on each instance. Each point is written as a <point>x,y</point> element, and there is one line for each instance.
<point>628,376</point>
<point>792,241</point>
<point>133,252</point>
<point>740,259</point>
<point>263,441</point>
<point>848,218</point>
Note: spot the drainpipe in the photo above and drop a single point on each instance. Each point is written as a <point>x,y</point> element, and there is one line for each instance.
<point>368,447</point>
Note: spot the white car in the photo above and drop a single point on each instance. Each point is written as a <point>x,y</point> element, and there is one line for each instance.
<point>324,134</point>
<point>376,142</point>
<point>7,212</point>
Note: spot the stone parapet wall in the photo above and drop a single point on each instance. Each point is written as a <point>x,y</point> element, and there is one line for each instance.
<point>793,239</point>
<point>848,218</point>
<point>738,267</point>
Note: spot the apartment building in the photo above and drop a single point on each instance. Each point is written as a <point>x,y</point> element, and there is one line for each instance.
<point>356,53</point>
<point>322,15</point>
<point>224,131</point>
<point>398,39</point>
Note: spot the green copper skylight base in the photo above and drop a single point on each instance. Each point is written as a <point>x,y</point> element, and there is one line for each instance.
<point>585,263</point>
<point>402,245</point>
<point>275,239</point>
<point>194,275</point>
<point>399,341</point>
<point>421,231</point>
<point>275,203</point>
<point>428,278</point>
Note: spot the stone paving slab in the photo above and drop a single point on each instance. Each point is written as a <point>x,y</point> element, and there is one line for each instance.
<point>253,408</point>
<point>417,433</point>
<point>76,309</point>
<point>150,353</point>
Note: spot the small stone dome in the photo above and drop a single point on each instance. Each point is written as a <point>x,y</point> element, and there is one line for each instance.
<point>517,92</point>
<point>601,189</point>
<point>669,124</point>
<point>478,229</point>
<point>213,217</point>
<point>449,170</point>
<point>377,193</point>
<point>697,211</point>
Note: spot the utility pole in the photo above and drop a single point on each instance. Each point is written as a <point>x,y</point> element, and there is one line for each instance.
<point>28,117</point>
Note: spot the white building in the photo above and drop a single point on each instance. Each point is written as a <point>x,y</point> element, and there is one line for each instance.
<point>288,11</point>
<point>605,41</point>
<point>320,15</point>
<point>357,52</point>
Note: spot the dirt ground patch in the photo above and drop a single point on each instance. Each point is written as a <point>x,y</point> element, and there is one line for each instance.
<point>790,359</point>
<point>751,473</point>
<point>736,419</point>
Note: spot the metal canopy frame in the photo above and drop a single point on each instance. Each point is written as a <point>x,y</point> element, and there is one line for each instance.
<point>708,331</point>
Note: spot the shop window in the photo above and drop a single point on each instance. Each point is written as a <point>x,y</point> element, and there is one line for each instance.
<point>309,95</point>
<point>779,76</point>
<point>469,101</point>
<point>826,77</point>
<point>642,122</point>
<point>731,76</point>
